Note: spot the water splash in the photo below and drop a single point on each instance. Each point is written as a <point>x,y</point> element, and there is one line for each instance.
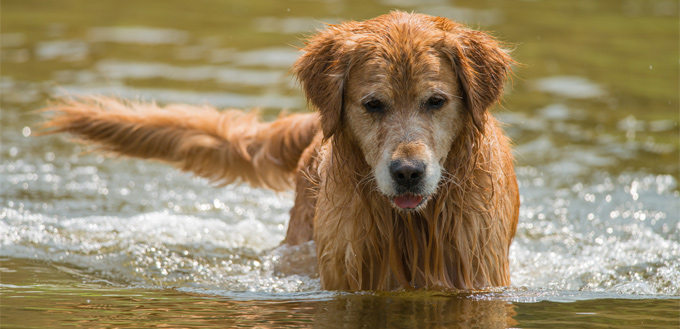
<point>618,234</point>
<point>615,234</point>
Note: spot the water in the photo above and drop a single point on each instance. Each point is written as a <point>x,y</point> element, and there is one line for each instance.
<point>95,241</point>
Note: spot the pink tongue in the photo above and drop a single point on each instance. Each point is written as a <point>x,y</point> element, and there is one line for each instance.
<point>407,201</point>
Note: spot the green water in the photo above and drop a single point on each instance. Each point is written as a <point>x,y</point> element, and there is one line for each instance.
<point>37,295</point>
<point>98,242</point>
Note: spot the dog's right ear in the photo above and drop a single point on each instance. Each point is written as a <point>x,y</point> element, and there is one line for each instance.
<point>322,70</point>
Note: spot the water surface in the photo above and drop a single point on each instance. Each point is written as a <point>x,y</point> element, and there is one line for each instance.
<point>97,241</point>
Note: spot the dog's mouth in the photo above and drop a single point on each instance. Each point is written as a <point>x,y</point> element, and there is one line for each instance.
<point>408,201</point>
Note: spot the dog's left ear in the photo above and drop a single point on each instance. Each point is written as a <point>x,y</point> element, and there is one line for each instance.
<point>323,70</point>
<point>482,67</point>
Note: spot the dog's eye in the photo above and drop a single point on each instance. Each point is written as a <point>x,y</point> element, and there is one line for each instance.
<point>374,106</point>
<point>434,103</point>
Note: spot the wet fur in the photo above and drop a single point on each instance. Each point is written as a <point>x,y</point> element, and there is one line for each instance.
<point>458,239</point>
<point>224,147</point>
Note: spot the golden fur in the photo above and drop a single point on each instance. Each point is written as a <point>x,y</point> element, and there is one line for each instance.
<point>403,178</point>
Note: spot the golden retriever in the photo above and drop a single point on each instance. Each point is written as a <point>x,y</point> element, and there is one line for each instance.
<point>402,177</point>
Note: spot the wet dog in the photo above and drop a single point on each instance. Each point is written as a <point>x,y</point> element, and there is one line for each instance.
<point>402,177</point>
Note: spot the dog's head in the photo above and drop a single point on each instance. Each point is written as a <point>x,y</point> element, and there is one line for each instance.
<point>403,86</point>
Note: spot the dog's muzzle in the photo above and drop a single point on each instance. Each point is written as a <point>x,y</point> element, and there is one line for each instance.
<point>408,176</point>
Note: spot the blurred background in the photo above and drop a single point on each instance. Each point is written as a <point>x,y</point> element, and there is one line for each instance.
<point>595,73</point>
<point>592,110</point>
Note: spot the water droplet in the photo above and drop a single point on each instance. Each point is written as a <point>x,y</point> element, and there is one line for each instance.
<point>26,131</point>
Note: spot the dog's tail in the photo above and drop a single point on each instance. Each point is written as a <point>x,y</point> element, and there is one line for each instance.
<point>224,147</point>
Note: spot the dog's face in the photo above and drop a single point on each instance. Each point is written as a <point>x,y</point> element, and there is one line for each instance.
<point>404,114</point>
<point>403,85</point>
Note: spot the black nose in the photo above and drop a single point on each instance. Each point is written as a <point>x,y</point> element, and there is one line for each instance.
<point>407,173</point>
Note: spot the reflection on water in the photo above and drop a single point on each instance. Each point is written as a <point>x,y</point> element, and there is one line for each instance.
<point>70,50</point>
<point>138,35</point>
<point>570,87</point>
<point>99,305</point>
<point>291,25</point>
<point>593,114</point>
<point>130,70</point>
<point>67,298</point>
